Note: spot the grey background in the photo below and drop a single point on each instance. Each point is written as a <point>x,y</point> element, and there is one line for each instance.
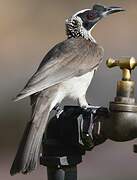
<point>28,29</point>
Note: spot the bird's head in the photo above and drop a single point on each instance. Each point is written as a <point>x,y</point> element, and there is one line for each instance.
<point>82,22</point>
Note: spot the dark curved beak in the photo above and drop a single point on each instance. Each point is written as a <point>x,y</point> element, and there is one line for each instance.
<point>112,10</point>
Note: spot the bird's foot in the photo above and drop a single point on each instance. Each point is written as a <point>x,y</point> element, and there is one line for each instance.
<point>92,108</point>
<point>58,110</point>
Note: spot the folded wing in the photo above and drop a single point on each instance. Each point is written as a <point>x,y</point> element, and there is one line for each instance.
<point>67,59</point>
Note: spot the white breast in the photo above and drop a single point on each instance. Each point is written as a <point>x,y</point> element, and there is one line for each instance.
<point>77,86</point>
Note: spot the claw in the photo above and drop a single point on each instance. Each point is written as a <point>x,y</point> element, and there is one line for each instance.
<point>93,108</point>
<point>57,107</point>
<point>58,110</point>
<point>59,113</point>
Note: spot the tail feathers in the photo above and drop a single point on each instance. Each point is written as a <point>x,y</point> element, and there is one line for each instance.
<point>17,163</point>
<point>28,153</point>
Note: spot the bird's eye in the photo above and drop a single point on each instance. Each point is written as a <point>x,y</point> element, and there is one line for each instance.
<point>91,16</point>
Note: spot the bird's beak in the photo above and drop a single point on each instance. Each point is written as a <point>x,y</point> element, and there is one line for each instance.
<point>112,10</point>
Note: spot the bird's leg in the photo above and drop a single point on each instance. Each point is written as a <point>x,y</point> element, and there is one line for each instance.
<point>58,110</point>
<point>83,103</point>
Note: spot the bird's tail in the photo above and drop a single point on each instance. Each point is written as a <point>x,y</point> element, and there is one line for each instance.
<point>28,152</point>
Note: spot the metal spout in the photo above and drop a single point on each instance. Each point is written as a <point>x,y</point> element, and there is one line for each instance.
<point>124,100</point>
<point>123,110</point>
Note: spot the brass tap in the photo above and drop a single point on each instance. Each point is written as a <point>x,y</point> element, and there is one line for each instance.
<point>125,87</point>
<point>122,123</point>
<point>125,64</point>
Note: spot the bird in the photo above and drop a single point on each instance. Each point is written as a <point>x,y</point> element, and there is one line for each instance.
<point>65,71</point>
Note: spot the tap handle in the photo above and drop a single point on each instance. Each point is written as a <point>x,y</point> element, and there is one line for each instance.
<point>123,63</point>
<point>126,65</point>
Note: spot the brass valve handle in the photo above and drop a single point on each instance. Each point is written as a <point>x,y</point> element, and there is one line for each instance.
<point>125,64</point>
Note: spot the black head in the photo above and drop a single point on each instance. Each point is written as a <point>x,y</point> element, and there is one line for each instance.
<point>86,19</point>
<point>92,16</point>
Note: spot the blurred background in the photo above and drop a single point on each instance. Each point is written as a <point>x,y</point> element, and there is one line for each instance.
<point>28,29</point>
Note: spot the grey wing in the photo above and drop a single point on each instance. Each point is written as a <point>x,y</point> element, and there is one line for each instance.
<point>66,60</point>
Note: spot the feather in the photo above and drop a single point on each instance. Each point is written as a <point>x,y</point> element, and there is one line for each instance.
<point>70,58</point>
<point>26,158</point>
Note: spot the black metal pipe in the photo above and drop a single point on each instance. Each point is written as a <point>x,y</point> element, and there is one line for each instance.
<point>65,173</point>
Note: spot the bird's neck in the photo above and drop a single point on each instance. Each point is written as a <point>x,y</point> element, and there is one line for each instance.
<point>74,29</point>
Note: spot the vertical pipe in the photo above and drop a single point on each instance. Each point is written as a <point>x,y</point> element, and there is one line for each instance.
<point>65,173</point>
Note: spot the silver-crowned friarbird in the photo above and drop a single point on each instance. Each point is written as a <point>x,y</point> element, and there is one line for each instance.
<point>66,70</point>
